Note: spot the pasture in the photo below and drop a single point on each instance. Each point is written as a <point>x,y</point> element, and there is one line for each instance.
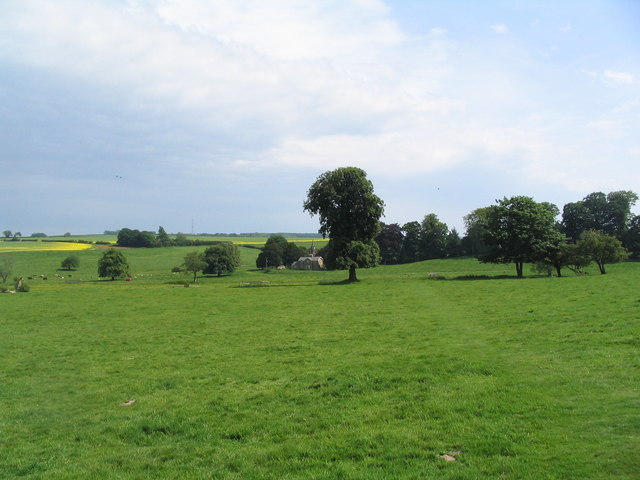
<point>294,375</point>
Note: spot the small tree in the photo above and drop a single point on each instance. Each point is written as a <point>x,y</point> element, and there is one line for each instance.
<point>575,259</point>
<point>194,262</point>
<point>113,264</point>
<point>6,266</point>
<point>7,234</point>
<point>70,263</point>
<point>221,259</point>
<point>602,248</point>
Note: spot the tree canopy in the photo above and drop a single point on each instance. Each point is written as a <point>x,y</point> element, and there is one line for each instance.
<point>221,259</point>
<point>70,263</point>
<point>519,230</point>
<point>278,251</point>
<point>194,262</point>
<point>609,214</point>
<point>113,264</point>
<point>601,248</point>
<point>349,214</point>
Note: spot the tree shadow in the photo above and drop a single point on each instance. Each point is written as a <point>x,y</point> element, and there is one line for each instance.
<point>466,278</point>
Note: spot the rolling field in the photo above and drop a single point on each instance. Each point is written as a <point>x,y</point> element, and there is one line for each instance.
<point>293,375</point>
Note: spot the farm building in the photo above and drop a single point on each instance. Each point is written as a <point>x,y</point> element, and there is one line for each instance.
<point>308,263</point>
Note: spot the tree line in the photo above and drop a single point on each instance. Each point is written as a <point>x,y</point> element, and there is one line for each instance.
<point>599,228</point>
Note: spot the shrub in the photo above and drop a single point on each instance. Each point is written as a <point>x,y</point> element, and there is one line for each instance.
<point>20,285</point>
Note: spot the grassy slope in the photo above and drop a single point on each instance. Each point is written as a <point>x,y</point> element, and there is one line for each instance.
<point>534,378</point>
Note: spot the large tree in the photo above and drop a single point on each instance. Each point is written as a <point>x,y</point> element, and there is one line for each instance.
<point>221,259</point>
<point>113,264</point>
<point>390,241</point>
<point>610,214</point>
<point>519,230</point>
<point>411,245</point>
<point>349,214</point>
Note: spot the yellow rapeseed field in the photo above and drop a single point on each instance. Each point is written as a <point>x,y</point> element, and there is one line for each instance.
<point>42,246</point>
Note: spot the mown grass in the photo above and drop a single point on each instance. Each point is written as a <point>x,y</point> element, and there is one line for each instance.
<point>310,378</point>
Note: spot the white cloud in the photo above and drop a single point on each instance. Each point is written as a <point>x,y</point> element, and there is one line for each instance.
<point>619,77</point>
<point>500,28</point>
<point>566,28</point>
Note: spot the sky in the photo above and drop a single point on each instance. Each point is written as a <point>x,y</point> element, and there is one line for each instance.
<point>218,115</point>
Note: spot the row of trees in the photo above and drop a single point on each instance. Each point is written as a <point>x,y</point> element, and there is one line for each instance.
<point>417,241</point>
<point>128,237</point>
<point>516,230</point>
<point>520,230</point>
<point>609,214</point>
<point>220,259</point>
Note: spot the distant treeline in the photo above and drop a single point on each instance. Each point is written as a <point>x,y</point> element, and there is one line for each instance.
<point>236,235</point>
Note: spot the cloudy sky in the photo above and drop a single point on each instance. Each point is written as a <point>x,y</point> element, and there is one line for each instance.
<point>142,113</point>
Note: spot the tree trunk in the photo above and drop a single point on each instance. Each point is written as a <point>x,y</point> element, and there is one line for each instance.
<point>519,269</point>
<point>352,274</point>
<point>601,267</point>
<point>558,271</point>
<point>194,276</point>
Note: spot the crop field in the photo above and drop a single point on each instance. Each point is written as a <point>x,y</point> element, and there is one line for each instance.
<point>445,369</point>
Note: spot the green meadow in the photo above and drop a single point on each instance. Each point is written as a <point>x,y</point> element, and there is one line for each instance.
<point>295,375</point>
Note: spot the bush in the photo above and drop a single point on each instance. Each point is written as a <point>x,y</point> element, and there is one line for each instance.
<point>176,269</point>
<point>20,285</point>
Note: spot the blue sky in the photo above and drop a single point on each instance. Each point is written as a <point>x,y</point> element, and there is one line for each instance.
<point>145,113</point>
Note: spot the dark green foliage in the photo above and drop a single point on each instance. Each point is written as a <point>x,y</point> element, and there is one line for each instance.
<point>163,240</point>
<point>574,258</point>
<point>632,237</point>
<point>7,233</point>
<point>609,214</point>
<point>278,251</point>
<point>453,244</point>
<point>411,246</point>
<point>70,263</point>
<point>113,264</point>
<point>135,238</point>
<point>38,235</point>
<point>194,262</point>
<point>221,259</point>
<point>433,238</point>
<point>601,248</point>
<point>354,255</point>
<point>181,240</point>
<point>390,240</point>
<point>349,214</point>
<point>519,230</point>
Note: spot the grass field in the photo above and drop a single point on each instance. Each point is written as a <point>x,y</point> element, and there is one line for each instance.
<point>293,375</point>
